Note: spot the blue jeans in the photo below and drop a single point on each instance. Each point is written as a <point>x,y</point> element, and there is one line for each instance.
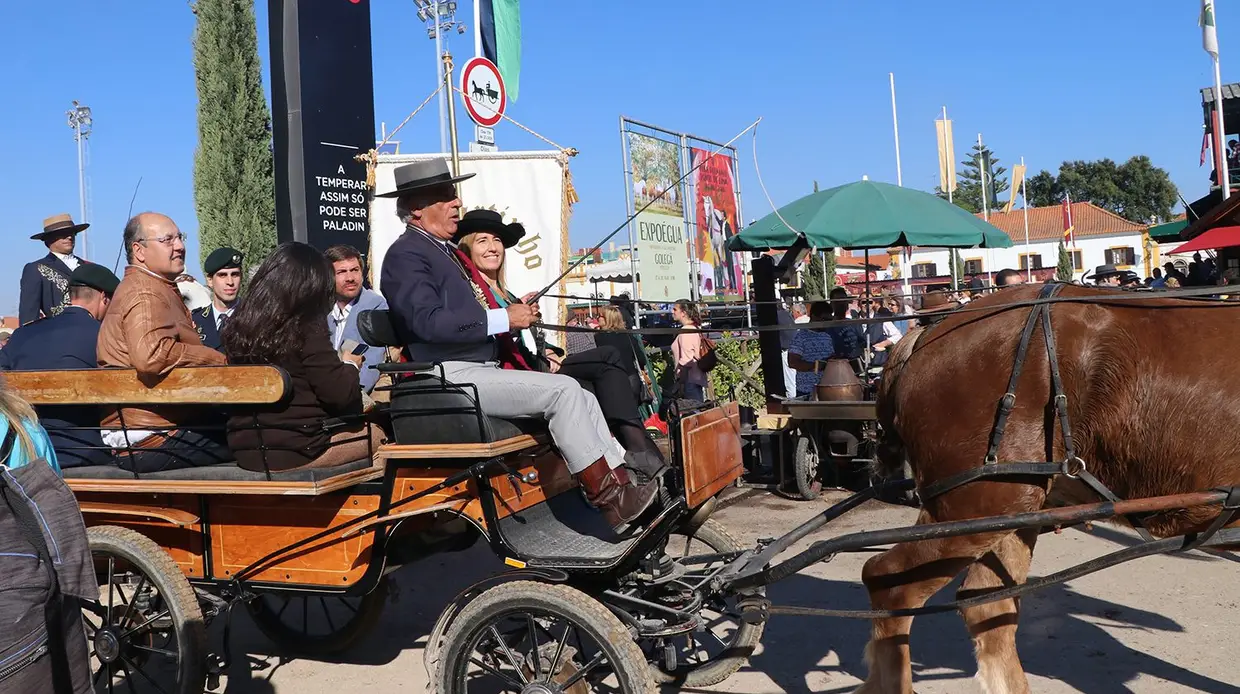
<point>693,391</point>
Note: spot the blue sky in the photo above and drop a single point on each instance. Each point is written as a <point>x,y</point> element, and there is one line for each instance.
<point>1050,81</point>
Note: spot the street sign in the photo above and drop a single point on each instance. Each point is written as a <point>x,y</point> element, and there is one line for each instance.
<point>482,147</point>
<point>483,92</point>
<point>484,134</point>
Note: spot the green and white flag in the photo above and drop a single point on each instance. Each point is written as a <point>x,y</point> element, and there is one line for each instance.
<point>1209,34</point>
<point>499,23</point>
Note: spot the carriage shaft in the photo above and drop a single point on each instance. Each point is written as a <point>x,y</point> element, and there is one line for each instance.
<point>753,575</point>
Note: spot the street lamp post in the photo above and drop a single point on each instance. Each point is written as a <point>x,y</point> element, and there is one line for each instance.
<point>440,17</point>
<point>80,120</point>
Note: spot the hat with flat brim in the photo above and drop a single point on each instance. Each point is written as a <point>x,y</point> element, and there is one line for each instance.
<point>57,226</point>
<point>419,175</point>
<point>937,302</point>
<point>490,222</point>
<point>1103,271</point>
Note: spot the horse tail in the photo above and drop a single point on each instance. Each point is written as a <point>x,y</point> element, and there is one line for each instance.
<point>890,453</point>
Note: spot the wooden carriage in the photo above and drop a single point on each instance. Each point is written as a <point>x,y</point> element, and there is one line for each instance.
<point>203,540</point>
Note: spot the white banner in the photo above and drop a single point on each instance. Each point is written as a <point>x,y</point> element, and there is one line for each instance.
<point>526,187</point>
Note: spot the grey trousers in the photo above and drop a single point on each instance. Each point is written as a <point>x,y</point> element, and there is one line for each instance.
<point>573,415</point>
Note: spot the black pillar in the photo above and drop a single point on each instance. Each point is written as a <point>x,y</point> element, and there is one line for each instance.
<point>323,114</point>
<point>766,314</point>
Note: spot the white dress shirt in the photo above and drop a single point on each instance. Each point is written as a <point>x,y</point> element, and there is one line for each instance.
<point>71,260</point>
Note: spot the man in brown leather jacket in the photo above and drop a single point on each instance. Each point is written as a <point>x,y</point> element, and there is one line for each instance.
<point>148,329</point>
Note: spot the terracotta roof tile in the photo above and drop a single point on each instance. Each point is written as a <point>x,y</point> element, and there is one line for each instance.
<point>1047,222</point>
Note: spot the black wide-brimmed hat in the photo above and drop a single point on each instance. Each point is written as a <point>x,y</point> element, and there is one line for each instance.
<point>421,174</point>
<point>491,222</point>
<point>1103,271</point>
<point>58,225</point>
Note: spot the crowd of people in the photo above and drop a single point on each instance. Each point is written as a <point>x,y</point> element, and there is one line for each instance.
<point>442,288</point>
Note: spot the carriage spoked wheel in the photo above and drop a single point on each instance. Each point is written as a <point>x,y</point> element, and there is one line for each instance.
<point>146,632</point>
<point>807,471</point>
<point>708,656</point>
<point>525,637</point>
<point>317,625</point>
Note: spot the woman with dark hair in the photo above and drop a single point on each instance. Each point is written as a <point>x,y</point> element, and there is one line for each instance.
<point>280,322</point>
<point>482,239</point>
<point>687,349</point>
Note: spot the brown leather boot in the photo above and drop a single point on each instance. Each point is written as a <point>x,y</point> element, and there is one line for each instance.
<point>613,493</point>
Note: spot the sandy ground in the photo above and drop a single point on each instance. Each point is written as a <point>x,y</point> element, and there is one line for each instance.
<point>1161,624</point>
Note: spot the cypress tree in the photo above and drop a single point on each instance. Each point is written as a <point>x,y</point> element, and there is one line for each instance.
<point>1063,269</point>
<point>234,181</point>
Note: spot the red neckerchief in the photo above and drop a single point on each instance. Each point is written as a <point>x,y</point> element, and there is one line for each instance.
<point>510,356</point>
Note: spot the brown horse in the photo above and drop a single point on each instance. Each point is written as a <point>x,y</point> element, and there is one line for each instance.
<point>1151,389</point>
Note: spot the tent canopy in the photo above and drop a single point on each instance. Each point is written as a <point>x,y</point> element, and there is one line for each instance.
<point>610,271</point>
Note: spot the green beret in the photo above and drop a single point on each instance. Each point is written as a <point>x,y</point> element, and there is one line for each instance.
<point>95,277</point>
<point>221,258</point>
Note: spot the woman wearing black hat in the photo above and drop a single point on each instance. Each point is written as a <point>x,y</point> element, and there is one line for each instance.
<point>482,237</point>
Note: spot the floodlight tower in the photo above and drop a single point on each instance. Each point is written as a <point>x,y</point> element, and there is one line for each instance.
<point>80,121</point>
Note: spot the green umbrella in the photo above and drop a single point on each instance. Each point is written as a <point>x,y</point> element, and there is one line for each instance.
<point>867,214</point>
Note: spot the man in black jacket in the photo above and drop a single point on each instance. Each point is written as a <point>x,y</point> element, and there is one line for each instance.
<point>67,341</point>
<point>45,282</point>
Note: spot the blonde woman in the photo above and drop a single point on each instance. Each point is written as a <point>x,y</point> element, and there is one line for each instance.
<point>30,441</point>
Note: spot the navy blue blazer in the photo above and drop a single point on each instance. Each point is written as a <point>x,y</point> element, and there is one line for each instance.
<point>44,289</point>
<point>204,321</point>
<point>432,303</point>
<point>65,341</point>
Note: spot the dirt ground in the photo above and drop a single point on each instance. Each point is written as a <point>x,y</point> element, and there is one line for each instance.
<point>1161,624</point>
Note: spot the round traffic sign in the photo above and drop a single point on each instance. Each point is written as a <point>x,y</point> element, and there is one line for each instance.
<point>483,92</point>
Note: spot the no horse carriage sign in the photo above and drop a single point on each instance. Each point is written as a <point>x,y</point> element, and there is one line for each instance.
<point>483,91</point>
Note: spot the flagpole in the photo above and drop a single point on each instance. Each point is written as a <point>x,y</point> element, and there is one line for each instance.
<point>905,254</point>
<point>1209,41</point>
<point>949,162</point>
<point>983,168</point>
<point>1024,198</point>
<point>477,28</point>
<point>950,156</point>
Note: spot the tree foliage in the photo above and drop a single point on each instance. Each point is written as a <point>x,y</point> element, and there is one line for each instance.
<point>812,278</point>
<point>1135,190</point>
<point>1064,269</point>
<point>955,266</point>
<point>234,181</point>
<point>968,193</point>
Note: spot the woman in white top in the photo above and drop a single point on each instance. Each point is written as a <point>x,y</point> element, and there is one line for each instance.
<point>687,349</point>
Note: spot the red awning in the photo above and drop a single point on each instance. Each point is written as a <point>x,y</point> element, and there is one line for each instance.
<point>1218,237</point>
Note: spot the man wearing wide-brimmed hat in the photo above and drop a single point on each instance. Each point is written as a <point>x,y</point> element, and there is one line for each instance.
<point>1105,276</point>
<point>45,282</point>
<point>443,318</point>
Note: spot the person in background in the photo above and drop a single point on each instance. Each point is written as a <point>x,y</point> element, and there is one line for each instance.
<point>4,337</point>
<point>686,350</point>
<point>1105,276</point>
<point>576,342</point>
<point>67,341</point>
<point>1008,277</point>
<point>883,334</point>
<point>848,340</point>
<point>280,322</point>
<point>45,282</point>
<point>786,322</point>
<point>810,348</point>
<point>799,314</point>
<point>894,304</point>
<point>1157,281</point>
<point>223,270</point>
<point>148,329</point>
<point>351,299</point>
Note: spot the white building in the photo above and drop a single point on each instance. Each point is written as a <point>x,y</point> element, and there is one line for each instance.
<point>1100,238</point>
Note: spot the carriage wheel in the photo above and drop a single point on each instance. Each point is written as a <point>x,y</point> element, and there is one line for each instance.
<point>317,625</point>
<point>707,657</point>
<point>146,633</point>
<point>539,638</point>
<point>807,470</point>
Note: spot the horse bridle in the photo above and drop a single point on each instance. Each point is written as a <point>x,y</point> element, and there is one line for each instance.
<point>1072,465</point>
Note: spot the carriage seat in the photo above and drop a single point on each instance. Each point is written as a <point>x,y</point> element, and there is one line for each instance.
<point>428,409</point>
<point>225,472</point>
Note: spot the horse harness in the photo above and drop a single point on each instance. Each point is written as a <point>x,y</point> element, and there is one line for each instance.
<point>1072,465</point>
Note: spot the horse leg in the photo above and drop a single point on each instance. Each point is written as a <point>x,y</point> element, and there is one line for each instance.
<point>905,577</point>
<point>993,625</point>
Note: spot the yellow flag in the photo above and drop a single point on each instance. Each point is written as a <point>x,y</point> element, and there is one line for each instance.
<point>947,156</point>
<point>1018,180</point>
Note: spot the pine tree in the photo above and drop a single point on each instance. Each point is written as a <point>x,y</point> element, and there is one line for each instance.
<point>234,182</point>
<point>1064,270</point>
<point>829,260</point>
<point>812,278</point>
<point>968,193</point>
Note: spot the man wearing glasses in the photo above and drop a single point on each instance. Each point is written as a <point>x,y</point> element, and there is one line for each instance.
<point>148,328</point>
